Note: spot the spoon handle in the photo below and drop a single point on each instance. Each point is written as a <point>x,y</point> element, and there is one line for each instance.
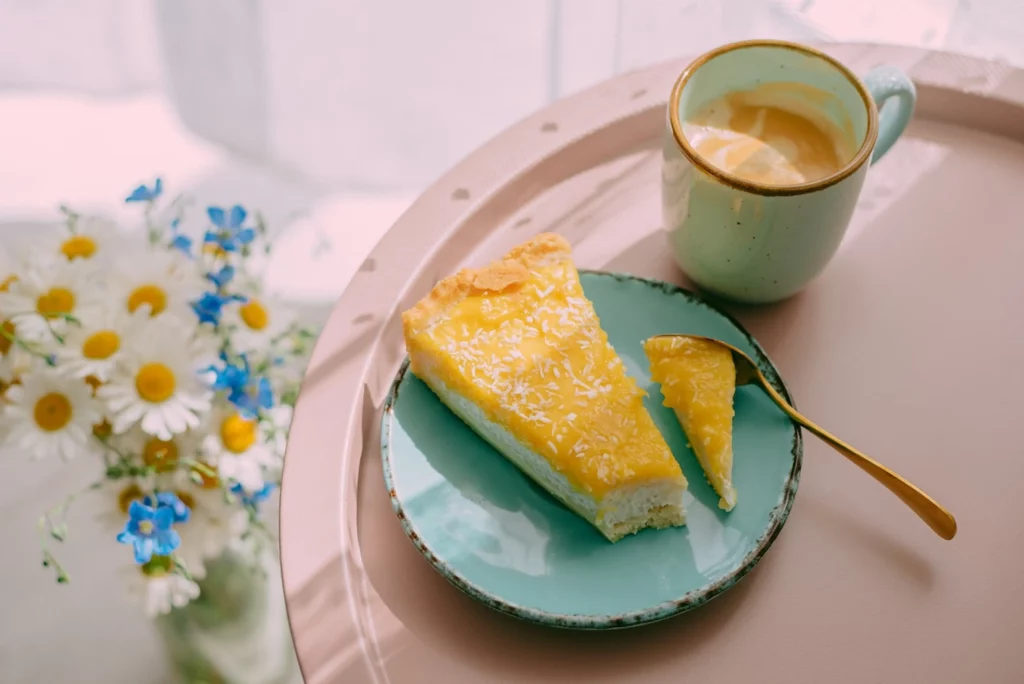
<point>929,510</point>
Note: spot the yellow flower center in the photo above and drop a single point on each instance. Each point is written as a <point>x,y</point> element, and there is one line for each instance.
<point>78,246</point>
<point>56,302</point>
<point>155,383</point>
<point>102,429</point>
<point>146,527</point>
<point>237,433</point>
<point>154,295</point>
<point>207,476</point>
<point>52,412</point>
<point>215,250</point>
<point>6,335</point>
<point>6,283</point>
<point>101,345</point>
<point>158,566</point>
<point>254,315</point>
<point>93,382</point>
<point>127,495</point>
<point>160,454</point>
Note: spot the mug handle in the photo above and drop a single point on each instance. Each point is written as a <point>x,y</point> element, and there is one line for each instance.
<point>887,83</point>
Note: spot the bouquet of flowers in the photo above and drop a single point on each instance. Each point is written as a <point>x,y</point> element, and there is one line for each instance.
<point>157,353</point>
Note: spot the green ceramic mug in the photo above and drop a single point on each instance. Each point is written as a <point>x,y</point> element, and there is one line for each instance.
<point>757,242</point>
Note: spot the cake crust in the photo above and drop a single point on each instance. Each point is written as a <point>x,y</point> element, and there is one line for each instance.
<point>511,270</point>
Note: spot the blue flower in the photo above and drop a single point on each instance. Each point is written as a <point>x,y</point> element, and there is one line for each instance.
<point>255,498</point>
<point>208,307</point>
<point>229,233</point>
<point>145,194</point>
<point>231,377</point>
<point>182,243</point>
<point>247,393</point>
<point>221,277</point>
<point>252,397</point>
<point>169,500</point>
<point>149,531</point>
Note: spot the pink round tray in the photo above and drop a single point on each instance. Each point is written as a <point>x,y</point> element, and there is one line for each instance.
<point>909,346</point>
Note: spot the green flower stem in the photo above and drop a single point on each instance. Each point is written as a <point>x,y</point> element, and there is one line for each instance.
<point>200,467</point>
<point>152,230</point>
<point>181,568</point>
<point>125,469</point>
<point>49,326</point>
<point>285,334</point>
<point>72,217</point>
<point>56,335</point>
<point>124,466</point>
<point>111,448</point>
<point>293,330</point>
<point>24,345</point>
<point>48,529</point>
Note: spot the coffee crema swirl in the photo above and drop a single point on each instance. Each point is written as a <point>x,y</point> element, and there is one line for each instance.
<point>746,135</point>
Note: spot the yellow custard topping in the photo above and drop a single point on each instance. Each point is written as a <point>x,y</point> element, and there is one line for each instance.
<point>521,341</point>
<point>698,381</point>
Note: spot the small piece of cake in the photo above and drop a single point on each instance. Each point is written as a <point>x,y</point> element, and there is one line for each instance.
<point>698,381</point>
<point>516,350</point>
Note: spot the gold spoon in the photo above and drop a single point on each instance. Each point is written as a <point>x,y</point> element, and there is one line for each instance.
<point>929,510</point>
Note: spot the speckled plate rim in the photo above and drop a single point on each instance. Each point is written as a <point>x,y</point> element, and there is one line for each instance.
<point>776,519</point>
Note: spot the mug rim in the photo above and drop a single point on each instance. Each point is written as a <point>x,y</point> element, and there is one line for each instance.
<point>858,160</point>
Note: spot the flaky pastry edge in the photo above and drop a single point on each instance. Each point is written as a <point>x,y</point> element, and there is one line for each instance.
<point>513,268</point>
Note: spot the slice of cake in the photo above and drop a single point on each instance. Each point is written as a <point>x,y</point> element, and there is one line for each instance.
<point>698,380</point>
<point>516,350</point>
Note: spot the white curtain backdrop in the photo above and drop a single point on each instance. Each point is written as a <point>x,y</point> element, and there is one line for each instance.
<point>100,47</point>
<point>383,95</point>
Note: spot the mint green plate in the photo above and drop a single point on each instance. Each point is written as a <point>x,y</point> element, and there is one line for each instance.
<point>502,539</point>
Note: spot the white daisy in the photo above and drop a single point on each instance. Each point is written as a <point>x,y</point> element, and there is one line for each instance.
<point>160,455</point>
<point>92,238</point>
<point>157,385</point>
<point>163,456</point>
<point>122,492</point>
<point>44,292</point>
<point>51,414</point>
<point>8,272</point>
<point>94,348</point>
<point>117,495</point>
<point>253,324</point>
<point>210,527</point>
<point>158,281</point>
<point>214,525</point>
<point>14,360</point>
<point>237,452</point>
<point>274,429</point>
<point>159,588</point>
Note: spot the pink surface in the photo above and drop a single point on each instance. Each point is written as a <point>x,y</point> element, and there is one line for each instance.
<point>906,346</point>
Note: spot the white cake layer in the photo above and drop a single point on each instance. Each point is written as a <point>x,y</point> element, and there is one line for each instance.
<point>627,509</point>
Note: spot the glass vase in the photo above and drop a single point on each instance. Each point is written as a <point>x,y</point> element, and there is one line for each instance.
<point>236,631</point>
